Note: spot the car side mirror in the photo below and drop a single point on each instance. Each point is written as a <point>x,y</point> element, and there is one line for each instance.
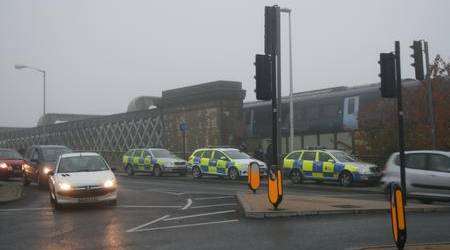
<point>331,160</point>
<point>223,158</point>
<point>113,168</point>
<point>51,173</point>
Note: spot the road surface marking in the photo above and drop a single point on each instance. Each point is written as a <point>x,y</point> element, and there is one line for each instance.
<point>213,198</point>
<point>215,205</point>
<point>187,225</point>
<point>189,203</point>
<point>146,224</point>
<point>199,215</point>
<point>144,206</point>
<point>25,209</point>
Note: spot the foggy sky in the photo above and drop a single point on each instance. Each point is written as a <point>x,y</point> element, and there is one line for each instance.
<point>99,54</point>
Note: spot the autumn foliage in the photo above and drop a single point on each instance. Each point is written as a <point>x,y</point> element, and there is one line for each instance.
<point>378,123</point>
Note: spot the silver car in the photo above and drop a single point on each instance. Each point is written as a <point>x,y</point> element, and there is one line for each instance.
<point>427,173</point>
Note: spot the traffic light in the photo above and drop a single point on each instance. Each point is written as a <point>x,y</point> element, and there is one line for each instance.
<point>271,27</point>
<point>263,77</point>
<point>418,59</point>
<point>387,75</point>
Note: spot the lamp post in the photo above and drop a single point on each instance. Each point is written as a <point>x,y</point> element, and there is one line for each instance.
<point>21,66</point>
<point>291,85</point>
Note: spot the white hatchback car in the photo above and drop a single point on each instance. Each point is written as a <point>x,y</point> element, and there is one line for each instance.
<point>82,178</point>
<point>427,173</point>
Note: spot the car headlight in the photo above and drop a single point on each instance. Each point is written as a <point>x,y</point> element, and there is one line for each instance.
<point>46,170</point>
<point>364,170</point>
<point>3,165</point>
<point>109,184</point>
<point>64,186</point>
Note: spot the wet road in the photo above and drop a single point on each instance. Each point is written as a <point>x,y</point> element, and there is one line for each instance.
<point>176,213</point>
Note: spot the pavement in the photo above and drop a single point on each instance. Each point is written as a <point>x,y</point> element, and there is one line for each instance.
<point>257,205</point>
<point>10,191</point>
<point>172,213</point>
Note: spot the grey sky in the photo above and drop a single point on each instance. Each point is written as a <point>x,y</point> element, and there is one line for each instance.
<point>99,54</point>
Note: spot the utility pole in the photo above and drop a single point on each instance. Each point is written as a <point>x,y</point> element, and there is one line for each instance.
<point>430,96</point>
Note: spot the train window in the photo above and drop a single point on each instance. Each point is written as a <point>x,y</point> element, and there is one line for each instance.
<point>351,106</point>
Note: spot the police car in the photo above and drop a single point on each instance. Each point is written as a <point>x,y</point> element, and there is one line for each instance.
<point>229,162</point>
<point>324,165</point>
<point>153,160</point>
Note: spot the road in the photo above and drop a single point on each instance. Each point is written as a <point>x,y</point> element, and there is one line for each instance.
<point>178,213</point>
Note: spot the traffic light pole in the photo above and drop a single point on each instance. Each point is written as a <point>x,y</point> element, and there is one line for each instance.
<point>400,118</point>
<point>430,95</point>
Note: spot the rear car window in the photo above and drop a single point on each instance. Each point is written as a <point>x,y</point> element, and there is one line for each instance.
<point>52,154</point>
<point>309,156</point>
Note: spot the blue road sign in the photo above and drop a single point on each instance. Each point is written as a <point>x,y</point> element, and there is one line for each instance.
<point>183,127</point>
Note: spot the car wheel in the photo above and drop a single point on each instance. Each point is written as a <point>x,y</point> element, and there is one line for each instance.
<point>54,202</point>
<point>345,179</point>
<point>233,174</point>
<point>25,180</point>
<point>196,172</point>
<point>130,171</point>
<point>157,171</point>
<point>296,176</point>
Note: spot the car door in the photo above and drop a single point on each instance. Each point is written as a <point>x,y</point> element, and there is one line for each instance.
<point>147,156</point>
<point>135,160</point>
<point>327,165</point>
<point>317,168</point>
<point>417,176</point>
<point>439,169</point>
<point>204,162</point>
<point>221,162</point>
<point>292,160</point>
<point>213,162</point>
<point>308,158</point>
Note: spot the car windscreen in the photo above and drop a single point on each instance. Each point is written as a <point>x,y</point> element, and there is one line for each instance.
<point>52,154</point>
<point>9,154</point>
<point>343,157</point>
<point>82,164</point>
<point>162,153</point>
<point>236,154</point>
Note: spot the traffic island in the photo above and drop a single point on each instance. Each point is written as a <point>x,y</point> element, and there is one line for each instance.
<point>10,191</point>
<point>258,206</point>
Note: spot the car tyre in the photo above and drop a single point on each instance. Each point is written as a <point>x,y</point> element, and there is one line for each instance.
<point>157,172</point>
<point>54,202</point>
<point>233,174</point>
<point>130,171</point>
<point>345,179</point>
<point>196,172</point>
<point>296,176</point>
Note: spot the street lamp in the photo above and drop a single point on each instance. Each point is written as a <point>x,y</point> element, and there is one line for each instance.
<point>291,85</point>
<point>21,66</point>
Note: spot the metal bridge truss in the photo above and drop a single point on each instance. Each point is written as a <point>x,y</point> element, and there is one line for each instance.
<point>109,135</point>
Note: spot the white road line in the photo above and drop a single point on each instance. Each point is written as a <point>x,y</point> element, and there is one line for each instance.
<point>213,198</point>
<point>186,225</point>
<point>143,206</point>
<point>26,209</point>
<point>199,215</point>
<point>146,224</point>
<point>215,205</point>
<point>189,203</point>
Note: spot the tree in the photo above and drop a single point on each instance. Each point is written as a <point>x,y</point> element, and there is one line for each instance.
<point>378,124</point>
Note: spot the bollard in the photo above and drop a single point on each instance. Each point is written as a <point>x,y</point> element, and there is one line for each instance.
<point>275,186</point>
<point>254,178</point>
<point>398,219</point>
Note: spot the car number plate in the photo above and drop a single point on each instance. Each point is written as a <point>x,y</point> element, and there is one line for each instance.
<point>87,199</point>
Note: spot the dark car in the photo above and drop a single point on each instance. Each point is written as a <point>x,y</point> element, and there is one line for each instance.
<point>11,163</point>
<point>41,160</point>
